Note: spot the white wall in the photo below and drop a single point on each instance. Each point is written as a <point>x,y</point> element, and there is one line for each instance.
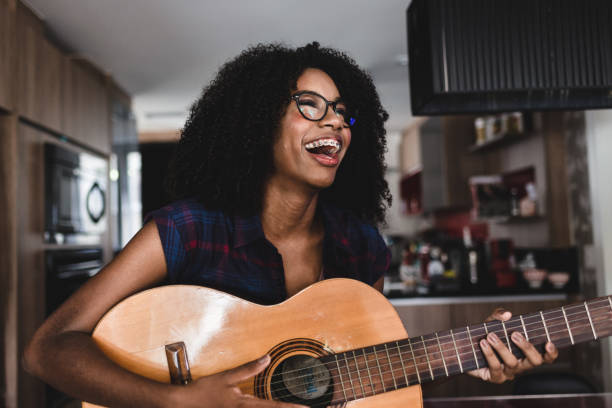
<point>599,146</point>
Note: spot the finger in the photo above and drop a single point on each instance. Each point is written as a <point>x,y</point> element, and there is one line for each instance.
<point>551,353</point>
<point>509,361</point>
<point>495,368</point>
<point>531,354</point>
<point>246,371</point>
<point>499,314</point>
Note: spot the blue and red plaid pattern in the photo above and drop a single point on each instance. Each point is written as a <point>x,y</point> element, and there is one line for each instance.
<point>231,253</point>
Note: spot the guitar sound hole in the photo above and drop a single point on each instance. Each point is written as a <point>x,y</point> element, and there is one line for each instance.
<point>303,380</point>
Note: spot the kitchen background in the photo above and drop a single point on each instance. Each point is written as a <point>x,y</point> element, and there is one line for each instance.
<point>499,208</point>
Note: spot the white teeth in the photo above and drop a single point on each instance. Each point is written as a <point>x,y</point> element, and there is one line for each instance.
<point>324,142</point>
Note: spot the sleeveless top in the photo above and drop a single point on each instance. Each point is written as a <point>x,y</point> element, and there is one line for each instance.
<point>230,253</point>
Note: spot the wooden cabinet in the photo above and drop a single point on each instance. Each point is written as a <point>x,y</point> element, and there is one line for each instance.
<point>39,88</point>
<point>65,95</point>
<point>7,52</point>
<point>445,165</point>
<point>86,116</point>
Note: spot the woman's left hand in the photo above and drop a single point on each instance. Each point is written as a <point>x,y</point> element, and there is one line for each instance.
<point>508,366</point>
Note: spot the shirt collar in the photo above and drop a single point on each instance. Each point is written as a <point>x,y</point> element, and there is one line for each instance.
<point>248,228</point>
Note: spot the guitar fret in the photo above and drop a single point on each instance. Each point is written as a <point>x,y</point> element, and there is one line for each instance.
<point>473,349</point>
<point>416,366</point>
<point>506,334</point>
<point>427,357</point>
<point>586,307</point>
<point>365,358</point>
<point>524,329</point>
<point>390,366</point>
<point>545,328</point>
<point>441,354</point>
<point>348,370</point>
<point>402,361</point>
<point>340,375</point>
<point>569,330</point>
<point>359,374</point>
<point>457,351</point>
<point>382,380</point>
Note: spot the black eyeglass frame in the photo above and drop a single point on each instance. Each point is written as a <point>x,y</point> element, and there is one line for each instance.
<point>348,120</point>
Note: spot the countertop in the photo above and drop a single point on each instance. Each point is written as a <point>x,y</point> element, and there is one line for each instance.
<point>447,300</point>
<point>530,401</point>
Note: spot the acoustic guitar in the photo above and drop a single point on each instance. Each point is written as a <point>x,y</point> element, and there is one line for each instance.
<point>338,342</point>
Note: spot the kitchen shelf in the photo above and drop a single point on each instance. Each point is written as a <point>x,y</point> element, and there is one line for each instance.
<point>498,142</point>
<point>513,219</point>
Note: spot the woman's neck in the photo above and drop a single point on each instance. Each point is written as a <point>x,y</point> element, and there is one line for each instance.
<point>288,213</point>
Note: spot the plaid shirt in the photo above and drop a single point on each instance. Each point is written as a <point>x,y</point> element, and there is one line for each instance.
<point>231,253</point>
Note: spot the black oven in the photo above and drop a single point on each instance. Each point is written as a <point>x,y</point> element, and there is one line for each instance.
<point>75,195</point>
<point>66,271</point>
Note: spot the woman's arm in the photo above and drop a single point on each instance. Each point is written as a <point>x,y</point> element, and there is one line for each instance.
<point>63,354</point>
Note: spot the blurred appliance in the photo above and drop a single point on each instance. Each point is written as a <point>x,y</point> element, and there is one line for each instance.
<point>494,56</point>
<point>75,195</point>
<point>66,270</point>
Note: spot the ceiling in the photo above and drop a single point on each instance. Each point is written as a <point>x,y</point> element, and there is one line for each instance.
<point>163,52</point>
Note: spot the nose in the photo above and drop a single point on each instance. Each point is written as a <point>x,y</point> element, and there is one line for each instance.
<point>332,119</point>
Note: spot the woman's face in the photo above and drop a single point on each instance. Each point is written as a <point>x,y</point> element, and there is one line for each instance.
<point>309,152</point>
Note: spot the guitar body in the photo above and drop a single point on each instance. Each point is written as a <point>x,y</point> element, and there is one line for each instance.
<point>221,331</point>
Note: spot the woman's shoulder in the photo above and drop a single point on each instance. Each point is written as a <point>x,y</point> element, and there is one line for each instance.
<point>186,211</point>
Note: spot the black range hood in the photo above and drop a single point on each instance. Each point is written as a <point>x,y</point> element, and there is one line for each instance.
<point>474,56</point>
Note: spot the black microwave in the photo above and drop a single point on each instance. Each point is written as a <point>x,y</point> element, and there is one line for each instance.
<point>75,195</point>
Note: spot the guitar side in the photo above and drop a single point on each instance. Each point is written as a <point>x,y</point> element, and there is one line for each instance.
<point>221,331</point>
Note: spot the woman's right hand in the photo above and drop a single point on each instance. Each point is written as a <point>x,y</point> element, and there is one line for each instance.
<point>221,390</point>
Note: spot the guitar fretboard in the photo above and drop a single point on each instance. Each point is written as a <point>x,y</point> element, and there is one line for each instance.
<point>390,366</point>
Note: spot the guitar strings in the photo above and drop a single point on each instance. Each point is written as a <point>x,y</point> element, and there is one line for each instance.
<point>561,322</point>
<point>359,370</point>
<point>553,322</point>
<point>350,387</point>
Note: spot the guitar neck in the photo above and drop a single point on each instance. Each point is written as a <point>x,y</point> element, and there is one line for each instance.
<point>417,360</point>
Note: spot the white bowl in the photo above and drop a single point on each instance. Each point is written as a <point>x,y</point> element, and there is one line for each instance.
<point>534,277</point>
<point>558,279</point>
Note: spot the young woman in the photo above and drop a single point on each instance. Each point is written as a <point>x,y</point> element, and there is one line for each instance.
<point>279,184</point>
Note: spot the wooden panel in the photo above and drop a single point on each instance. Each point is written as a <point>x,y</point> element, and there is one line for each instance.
<point>7,53</point>
<point>557,205</point>
<point>86,116</point>
<point>30,215</point>
<point>459,166</point>
<point>9,360</point>
<point>39,89</point>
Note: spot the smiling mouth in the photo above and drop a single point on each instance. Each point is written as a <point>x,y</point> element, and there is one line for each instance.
<point>328,147</point>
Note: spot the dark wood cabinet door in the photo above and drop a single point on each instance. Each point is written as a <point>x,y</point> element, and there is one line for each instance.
<point>7,52</point>
<point>86,105</point>
<point>39,88</point>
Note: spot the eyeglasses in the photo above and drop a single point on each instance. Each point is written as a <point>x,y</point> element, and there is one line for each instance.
<point>313,107</point>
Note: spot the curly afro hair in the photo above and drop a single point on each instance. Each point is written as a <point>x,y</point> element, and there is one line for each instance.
<point>224,155</point>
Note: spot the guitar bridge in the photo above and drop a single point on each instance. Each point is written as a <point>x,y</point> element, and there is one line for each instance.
<point>178,364</point>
